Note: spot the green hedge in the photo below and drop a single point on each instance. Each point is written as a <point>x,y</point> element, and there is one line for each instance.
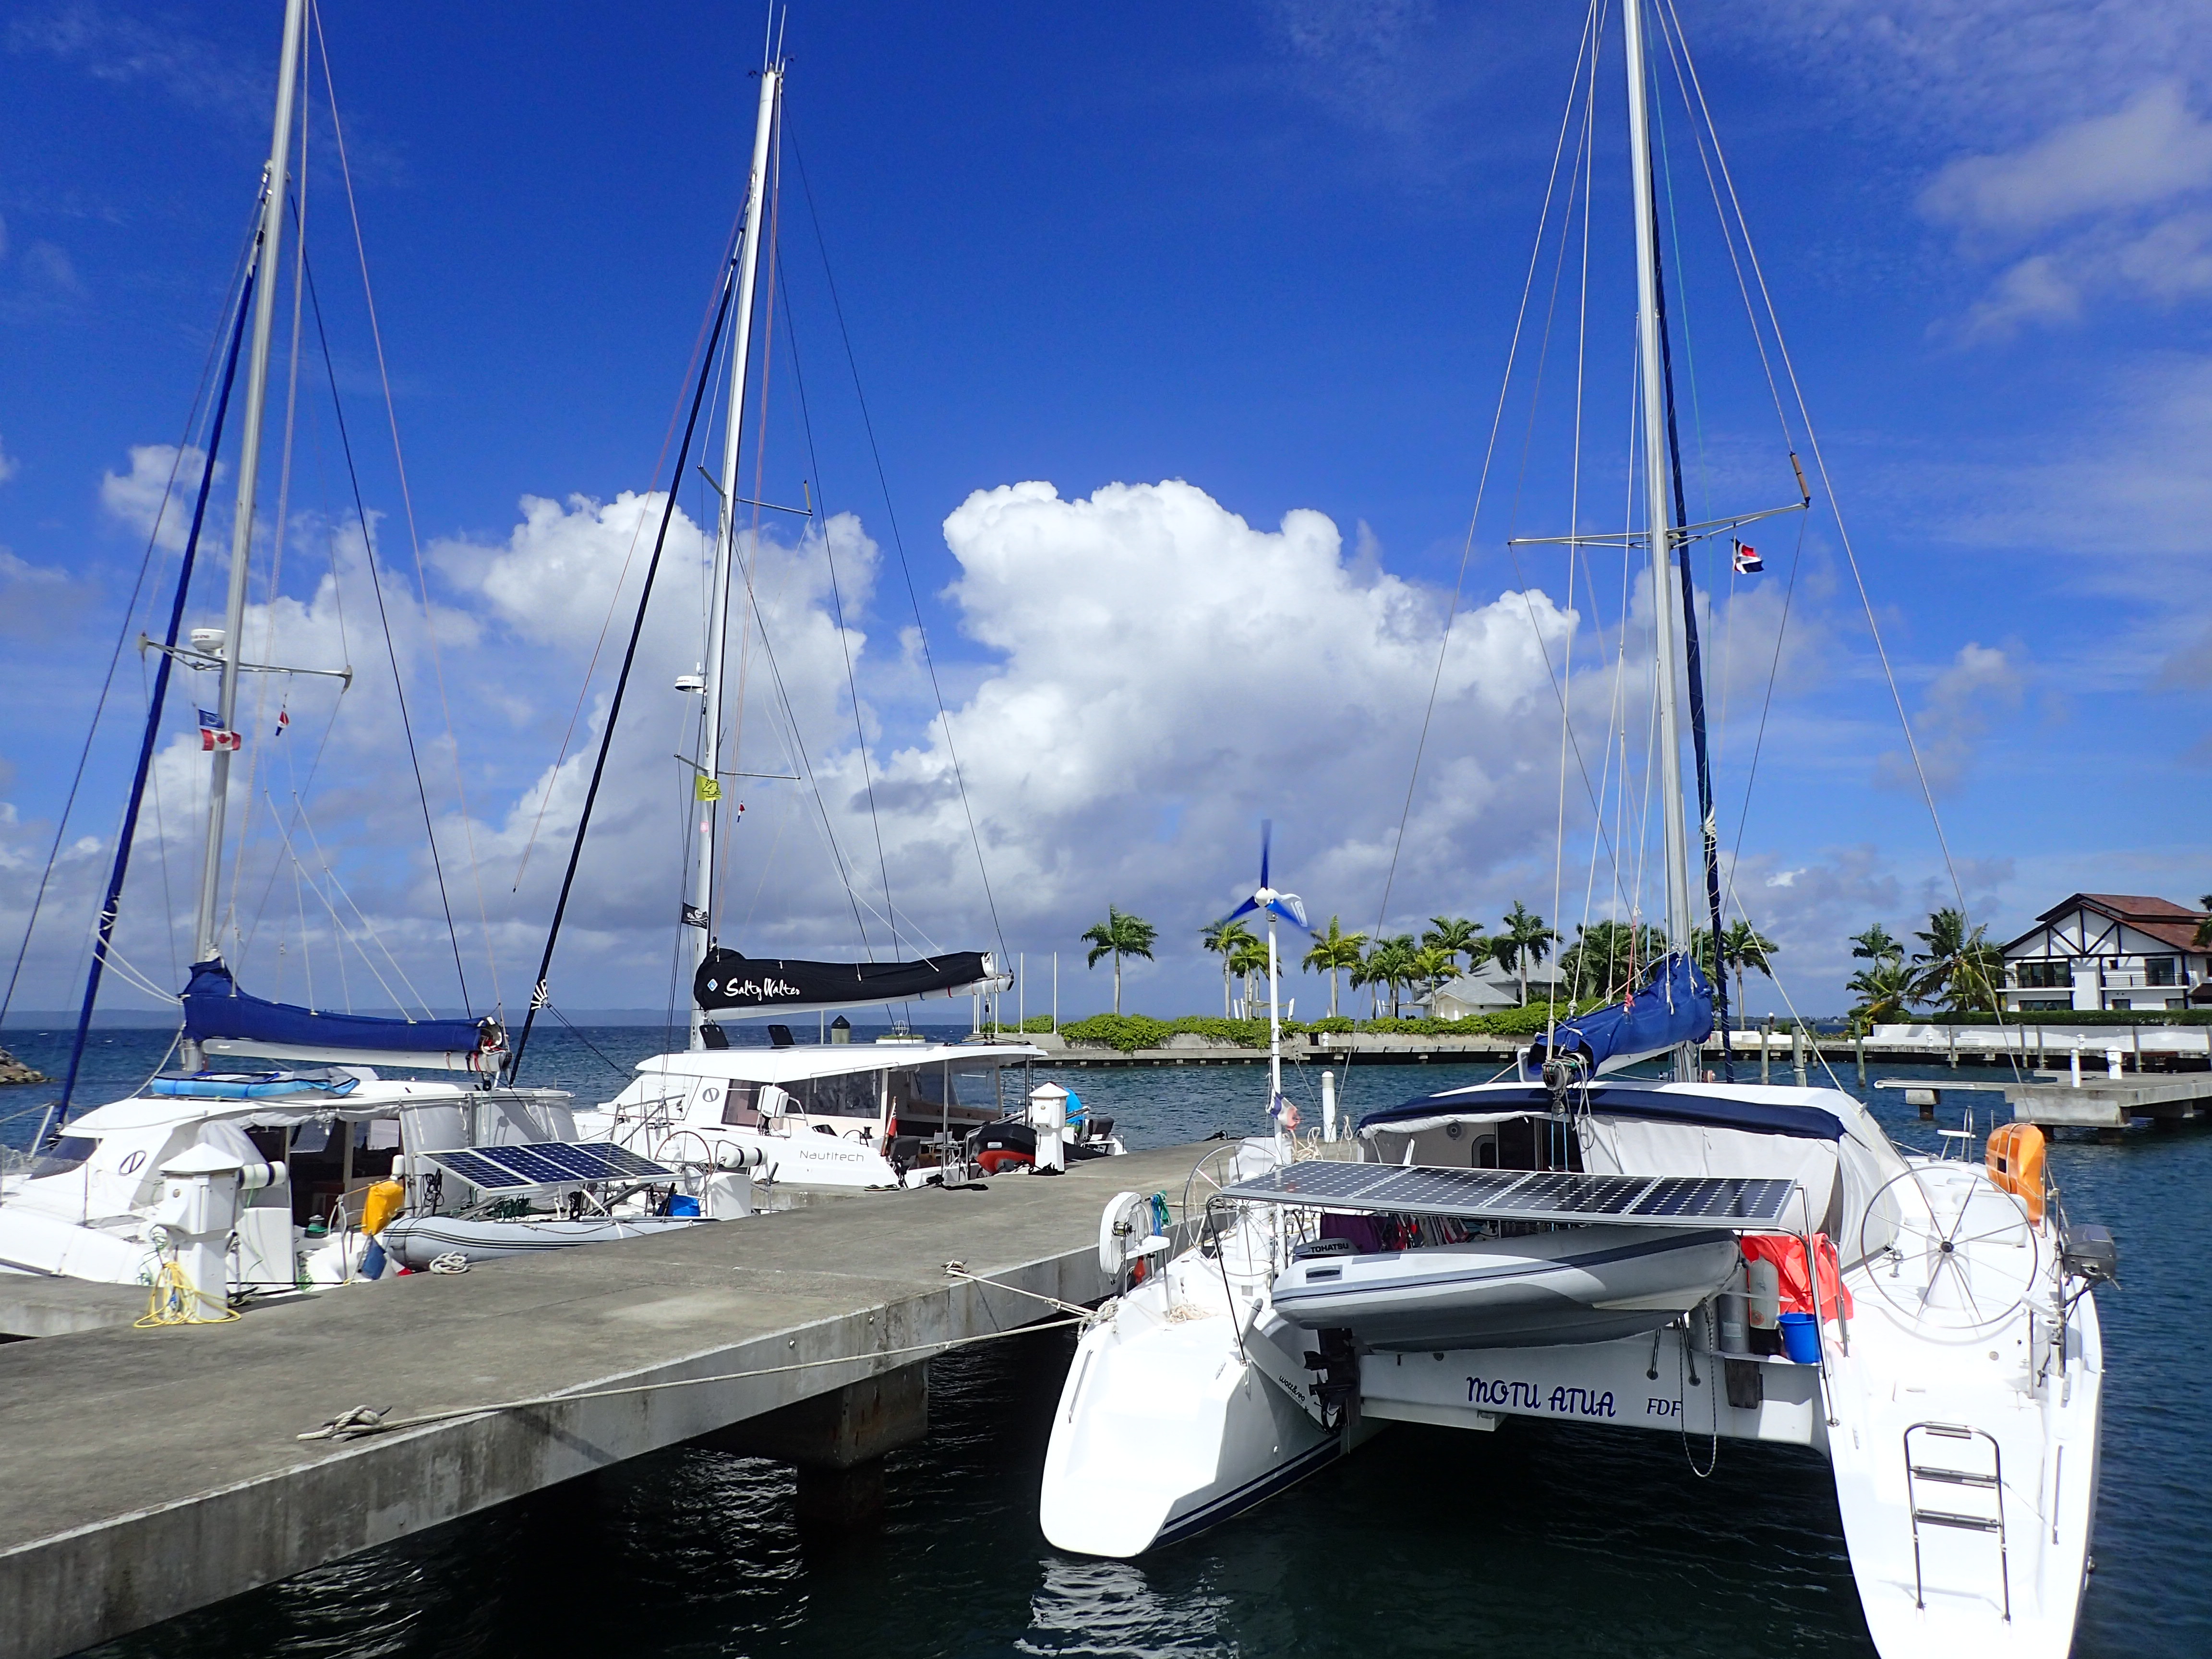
<point>1129,1032</point>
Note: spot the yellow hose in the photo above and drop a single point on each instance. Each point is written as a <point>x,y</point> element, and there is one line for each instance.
<point>175,1301</point>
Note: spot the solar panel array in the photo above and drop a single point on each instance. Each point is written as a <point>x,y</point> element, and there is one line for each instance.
<point>548,1164</point>
<point>1520,1195</point>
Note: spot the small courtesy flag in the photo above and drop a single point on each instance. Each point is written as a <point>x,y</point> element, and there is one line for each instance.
<point>1747,561</point>
<point>284,721</point>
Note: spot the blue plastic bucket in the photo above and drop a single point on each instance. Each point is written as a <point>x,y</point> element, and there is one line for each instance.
<point>1801,1338</point>
<point>679,1204</point>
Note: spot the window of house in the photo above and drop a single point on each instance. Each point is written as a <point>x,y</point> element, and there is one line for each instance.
<point>2045,976</point>
<point>2161,970</point>
<point>2122,1002</point>
<point>2027,1003</point>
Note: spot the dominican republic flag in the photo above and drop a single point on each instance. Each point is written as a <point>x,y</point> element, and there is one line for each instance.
<point>284,721</point>
<point>1747,561</point>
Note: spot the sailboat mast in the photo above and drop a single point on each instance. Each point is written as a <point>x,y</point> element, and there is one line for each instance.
<point>707,793</point>
<point>206,943</point>
<point>1657,516</point>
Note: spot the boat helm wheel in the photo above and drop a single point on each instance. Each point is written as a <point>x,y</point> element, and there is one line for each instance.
<point>1236,1233</point>
<point>1951,1257</point>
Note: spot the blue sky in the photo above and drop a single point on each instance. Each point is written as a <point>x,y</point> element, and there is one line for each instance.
<point>1273,252</point>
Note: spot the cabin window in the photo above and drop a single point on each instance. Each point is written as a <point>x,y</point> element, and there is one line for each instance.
<point>741,1103</point>
<point>853,1094</point>
<point>68,1153</point>
<point>2045,976</point>
<point>2161,970</point>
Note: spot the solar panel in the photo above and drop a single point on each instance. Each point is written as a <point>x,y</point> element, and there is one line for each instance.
<point>1521,1196</point>
<point>548,1164</point>
<point>477,1170</point>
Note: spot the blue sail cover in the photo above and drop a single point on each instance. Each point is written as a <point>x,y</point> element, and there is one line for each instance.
<point>216,1012</point>
<point>1673,1005</point>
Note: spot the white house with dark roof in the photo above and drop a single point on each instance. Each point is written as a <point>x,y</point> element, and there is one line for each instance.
<point>2109,951</point>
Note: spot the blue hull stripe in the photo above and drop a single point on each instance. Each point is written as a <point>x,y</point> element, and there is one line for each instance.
<point>1232,1503</point>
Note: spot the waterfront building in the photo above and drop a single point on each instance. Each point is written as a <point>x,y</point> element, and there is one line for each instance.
<point>1490,988</point>
<point>2098,951</point>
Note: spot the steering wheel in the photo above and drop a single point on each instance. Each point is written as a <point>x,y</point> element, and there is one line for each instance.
<point>1246,1250</point>
<point>1957,1268</point>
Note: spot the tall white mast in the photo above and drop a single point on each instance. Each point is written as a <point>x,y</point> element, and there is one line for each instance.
<point>206,943</point>
<point>708,791</point>
<point>1657,519</point>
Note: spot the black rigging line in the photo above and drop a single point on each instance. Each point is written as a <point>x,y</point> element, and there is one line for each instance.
<point>391,652</point>
<point>890,514</point>
<point>539,991</point>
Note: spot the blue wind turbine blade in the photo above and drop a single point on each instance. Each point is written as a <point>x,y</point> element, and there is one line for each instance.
<point>1266,838</point>
<point>1244,909</point>
<point>1293,912</point>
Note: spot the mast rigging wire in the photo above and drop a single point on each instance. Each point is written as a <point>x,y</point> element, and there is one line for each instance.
<point>391,651</point>
<point>130,610</point>
<point>540,988</point>
<point>898,541</point>
<point>407,501</point>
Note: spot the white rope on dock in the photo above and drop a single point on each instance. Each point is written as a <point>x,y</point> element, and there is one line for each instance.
<point>364,1421</point>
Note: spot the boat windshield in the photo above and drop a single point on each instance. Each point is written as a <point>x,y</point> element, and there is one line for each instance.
<point>68,1153</point>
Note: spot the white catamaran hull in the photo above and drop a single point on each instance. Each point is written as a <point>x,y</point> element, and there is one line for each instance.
<point>1167,1427</point>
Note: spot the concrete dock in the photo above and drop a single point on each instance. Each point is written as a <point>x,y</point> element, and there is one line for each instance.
<point>147,1472</point>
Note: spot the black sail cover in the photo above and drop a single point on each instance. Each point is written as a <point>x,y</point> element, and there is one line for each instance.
<point>727,981</point>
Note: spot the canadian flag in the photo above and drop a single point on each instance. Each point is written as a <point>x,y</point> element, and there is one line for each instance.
<point>214,737</point>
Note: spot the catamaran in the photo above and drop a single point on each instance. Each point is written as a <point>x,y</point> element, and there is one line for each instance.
<point>898,1113</point>
<point>233,1175</point>
<point>1709,1260</point>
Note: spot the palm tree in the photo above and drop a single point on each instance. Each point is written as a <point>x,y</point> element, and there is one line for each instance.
<point>1959,966</point>
<point>1883,990</point>
<point>1456,936</point>
<point>1120,935</point>
<point>1225,938</point>
<point>1331,952</point>
<point>1389,963</point>
<point>2204,928</point>
<point>1876,945</point>
<point>1606,958</point>
<point>1248,961</point>
<point>1432,965</point>
<point>1745,948</point>
<point>1521,939</point>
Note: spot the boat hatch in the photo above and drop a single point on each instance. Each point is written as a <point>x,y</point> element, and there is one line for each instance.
<point>1516,1195</point>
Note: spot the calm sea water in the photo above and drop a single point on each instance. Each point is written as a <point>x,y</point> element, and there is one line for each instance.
<point>1539,1539</point>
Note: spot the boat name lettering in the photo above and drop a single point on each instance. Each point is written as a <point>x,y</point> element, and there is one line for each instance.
<point>1662,1407</point>
<point>1527,1396</point>
<point>756,987</point>
<point>1497,1391</point>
